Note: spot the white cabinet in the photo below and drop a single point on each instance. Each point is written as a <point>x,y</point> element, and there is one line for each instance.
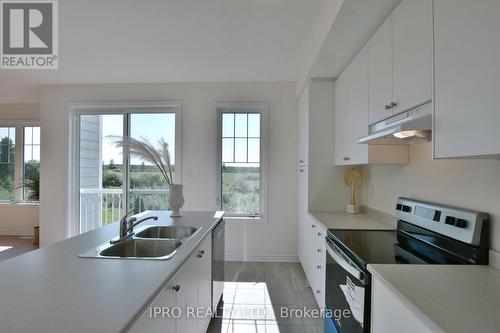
<point>156,322</point>
<point>390,314</point>
<point>466,78</point>
<point>311,242</point>
<point>204,257</point>
<point>303,129</point>
<point>187,296</point>
<point>400,61</point>
<point>412,54</point>
<point>351,119</point>
<point>189,291</point>
<point>380,72</point>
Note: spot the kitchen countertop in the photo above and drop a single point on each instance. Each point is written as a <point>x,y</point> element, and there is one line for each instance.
<point>369,220</point>
<point>447,298</point>
<point>52,290</point>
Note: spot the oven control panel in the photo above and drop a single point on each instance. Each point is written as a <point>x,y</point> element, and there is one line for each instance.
<point>460,224</point>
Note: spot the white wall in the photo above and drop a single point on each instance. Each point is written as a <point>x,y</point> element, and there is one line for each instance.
<point>473,184</point>
<point>275,239</point>
<point>18,219</point>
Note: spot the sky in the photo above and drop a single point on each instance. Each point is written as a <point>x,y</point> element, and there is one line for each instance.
<point>240,132</point>
<point>151,126</point>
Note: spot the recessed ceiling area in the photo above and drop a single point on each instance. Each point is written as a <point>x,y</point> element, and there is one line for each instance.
<point>121,41</point>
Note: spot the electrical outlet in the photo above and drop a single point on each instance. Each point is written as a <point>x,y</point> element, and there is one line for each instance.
<point>371,189</point>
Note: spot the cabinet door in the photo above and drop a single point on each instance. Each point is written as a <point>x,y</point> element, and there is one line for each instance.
<point>187,296</point>
<point>380,72</point>
<point>153,322</point>
<point>467,78</point>
<point>303,130</point>
<point>412,31</point>
<point>319,260</point>
<point>204,255</point>
<point>302,206</point>
<point>358,107</point>
<point>390,313</point>
<point>341,111</point>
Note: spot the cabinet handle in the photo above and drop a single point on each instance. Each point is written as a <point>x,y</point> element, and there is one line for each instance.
<point>347,158</point>
<point>313,226</point>
<point>301,161</point>
<point>200,253</point>
<point>388,106</point>
<point>393,105</point>
<point>318,291</point>
<point>176,288</point>
<point>301,170</point>
<point>318,267</point>
<point>319,250</point>
<point>319,234</point>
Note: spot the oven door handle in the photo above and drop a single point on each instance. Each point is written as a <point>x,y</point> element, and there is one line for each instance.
<point>333,251</point>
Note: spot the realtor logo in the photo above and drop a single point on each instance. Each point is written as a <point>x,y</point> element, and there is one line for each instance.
<point>28,34</point>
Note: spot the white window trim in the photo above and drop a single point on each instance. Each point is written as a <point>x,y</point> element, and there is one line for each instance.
<point>123,108</point>
<point>263,109</point>
<point>19,158</point>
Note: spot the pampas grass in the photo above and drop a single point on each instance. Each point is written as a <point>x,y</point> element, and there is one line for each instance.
<point>146,151</point>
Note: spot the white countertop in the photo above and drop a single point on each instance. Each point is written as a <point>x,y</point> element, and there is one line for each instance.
<point>363,221</point>
<point>52,290</point>
<point>448,298</point>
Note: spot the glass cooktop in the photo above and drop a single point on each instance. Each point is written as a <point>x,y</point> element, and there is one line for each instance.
<point>367,246</point>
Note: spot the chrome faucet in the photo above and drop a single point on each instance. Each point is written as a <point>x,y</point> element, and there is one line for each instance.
<point>127,226</point>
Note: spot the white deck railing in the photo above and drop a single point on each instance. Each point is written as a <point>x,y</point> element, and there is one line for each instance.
<point>99,207</point>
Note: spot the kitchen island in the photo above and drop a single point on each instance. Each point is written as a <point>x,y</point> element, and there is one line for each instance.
<point>53,290</point>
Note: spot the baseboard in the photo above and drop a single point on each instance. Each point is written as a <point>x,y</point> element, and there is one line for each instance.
<point>16,231</point>
<point>278,258</point>
<point>494,259</point>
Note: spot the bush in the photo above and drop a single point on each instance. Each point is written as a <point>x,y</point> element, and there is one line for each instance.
<point>111,179</point>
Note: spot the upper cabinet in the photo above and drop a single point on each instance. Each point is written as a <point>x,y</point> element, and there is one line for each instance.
<point>303,130</point>
<point>351,119</point>
<point>380,73</point>
<point>412,54</point>
<point>400,61</point>
<point>467,78</point>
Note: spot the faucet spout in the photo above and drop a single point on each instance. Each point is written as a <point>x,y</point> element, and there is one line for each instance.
<point>134,223</point>
<point>127,226</point>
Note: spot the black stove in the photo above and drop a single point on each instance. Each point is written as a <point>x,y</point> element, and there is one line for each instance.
<point>426,234</point>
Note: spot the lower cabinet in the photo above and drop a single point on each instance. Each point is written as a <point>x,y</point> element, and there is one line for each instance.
<point>389,314</point>
<point>312,241</point>
<point>188,292</point>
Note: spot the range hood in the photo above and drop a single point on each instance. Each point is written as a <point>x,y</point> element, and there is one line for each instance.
<point>411,126</point>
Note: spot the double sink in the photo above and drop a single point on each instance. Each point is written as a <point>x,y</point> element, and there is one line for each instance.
<point>153,242</point>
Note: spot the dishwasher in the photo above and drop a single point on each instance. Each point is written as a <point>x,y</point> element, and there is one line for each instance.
<point>218,260</point>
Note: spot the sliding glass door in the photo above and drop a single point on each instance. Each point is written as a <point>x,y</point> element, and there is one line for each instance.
<point>111,182</point>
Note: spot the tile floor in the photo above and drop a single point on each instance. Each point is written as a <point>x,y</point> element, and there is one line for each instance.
<point>11,246</point>
<point>258,295</point>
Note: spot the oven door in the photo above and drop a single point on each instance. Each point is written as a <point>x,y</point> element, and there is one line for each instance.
<point>347,293</point>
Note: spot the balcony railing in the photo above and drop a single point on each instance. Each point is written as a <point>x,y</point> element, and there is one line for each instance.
<point>99,207</point>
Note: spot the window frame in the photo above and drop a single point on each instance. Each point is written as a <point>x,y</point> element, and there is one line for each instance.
<point>19,125</point>
<point>261,108</point>
<point>75,110</point>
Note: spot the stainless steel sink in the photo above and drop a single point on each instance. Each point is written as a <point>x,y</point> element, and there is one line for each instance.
<point>159,249</point>
<point>172,232</point>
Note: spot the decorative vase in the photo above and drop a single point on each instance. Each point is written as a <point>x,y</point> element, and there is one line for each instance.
<point>176,199</point>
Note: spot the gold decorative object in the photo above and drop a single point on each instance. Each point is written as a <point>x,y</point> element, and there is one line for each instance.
<point>353,178</point>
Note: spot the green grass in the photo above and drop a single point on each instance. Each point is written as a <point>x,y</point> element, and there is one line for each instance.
<point>241,191</point>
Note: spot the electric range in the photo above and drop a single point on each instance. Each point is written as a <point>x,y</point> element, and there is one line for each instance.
<point>426,234</point>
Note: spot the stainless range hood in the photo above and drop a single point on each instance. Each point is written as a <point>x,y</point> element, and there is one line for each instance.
<point>411,126</point>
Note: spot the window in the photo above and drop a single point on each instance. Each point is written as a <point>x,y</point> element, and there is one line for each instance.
<point>19,159</point>
<point>7,163</point>
<point>111,182</point>
<point>31,165</point>
<point>242,159</point>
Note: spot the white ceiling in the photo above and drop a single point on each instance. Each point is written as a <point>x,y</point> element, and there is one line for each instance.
<point>118,41</point>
